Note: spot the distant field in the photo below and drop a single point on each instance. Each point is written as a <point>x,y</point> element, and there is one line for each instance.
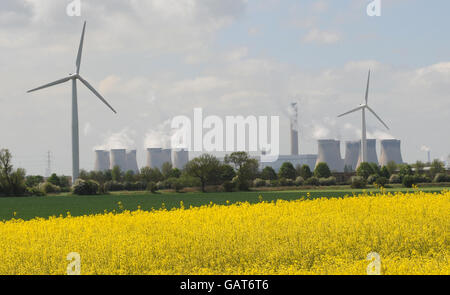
<point>30,207</point>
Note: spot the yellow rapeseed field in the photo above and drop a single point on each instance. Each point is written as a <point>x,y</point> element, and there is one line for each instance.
<point>323,236</point>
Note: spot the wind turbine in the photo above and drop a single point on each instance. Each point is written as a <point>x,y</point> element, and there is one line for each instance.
<point>363,108</point>
<point>74,77</point>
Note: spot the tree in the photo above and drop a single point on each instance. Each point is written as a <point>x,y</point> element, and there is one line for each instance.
<point>32,181</point>
<point>54,179</point>
<point>174,173</point>
<point>11,182</point>
<point>436,167</point>
<point>384,172</point>
<point>268,173</point>
<point>365,170</point>
<point>419,168</point>
<point>227,173</point>
<point>238,159</point>
<point>116,174</point>
<point>322,170</point>
<point>150,175</point>
<point>304,172</point>
<point>375,168</point>
<point>205,168</point>
<point>166,168</point>
<point>287,171</point>
<point>405,170</point>
<point>392,167</point>
<point>247,173</point>
<point>6,168</point>
<point>129,176</point>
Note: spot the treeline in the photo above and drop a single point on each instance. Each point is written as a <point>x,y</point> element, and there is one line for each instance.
<point>238,172</point>
<point>408,175</point>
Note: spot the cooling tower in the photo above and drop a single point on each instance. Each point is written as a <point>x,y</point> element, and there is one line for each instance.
<point>156,157</point>
<point>330,153</point>
<point>119,158</point>
<point>132,162</point>
<point>352,151</point>
<point>101,160</point>
<point>371,152</point>
<point>390,151</point>
<point>180,158</point>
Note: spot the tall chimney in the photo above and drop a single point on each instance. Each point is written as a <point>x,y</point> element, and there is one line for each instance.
<point>391,152</point>
<point>330,153</point>
<point>294,129</point>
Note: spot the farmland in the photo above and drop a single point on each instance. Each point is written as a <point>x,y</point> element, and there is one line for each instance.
<point>314,236</point>
<point>30,207</point>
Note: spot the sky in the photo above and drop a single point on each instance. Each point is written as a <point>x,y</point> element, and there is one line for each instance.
<point>157,59</point>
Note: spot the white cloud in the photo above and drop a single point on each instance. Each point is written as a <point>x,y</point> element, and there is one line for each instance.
<point>321,37</point>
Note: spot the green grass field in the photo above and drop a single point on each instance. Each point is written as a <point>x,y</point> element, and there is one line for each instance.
<point>30,207</point>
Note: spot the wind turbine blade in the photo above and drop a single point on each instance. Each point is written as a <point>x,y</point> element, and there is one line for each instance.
<point>80,49</point>
<point>352,111</point>
<point>367,89</point>
<point>373,112</point>
<point>51,84</point>
<point>86,83</point>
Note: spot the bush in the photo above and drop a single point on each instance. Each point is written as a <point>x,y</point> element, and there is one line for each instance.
<point>228,186</point>
<point>441,177</point>
<point>49,188</point>
<point>35,191</point>
<point>176,184</point>
<point>322,170</point>
<point>409,180</point>
<point>287,171</point>
<point>365,170</point>
<point>423,178</point>
<point>372,179</point>
<point>114,186</point>
<point>304,171</point>
<point>381,181</point>
<point>358,182</point>
<point>161,185</point>
<point>151,187</point>
<point>395,178</point>
<point>299,181</point>
<point>285,182</point>
<point>312,181</point>
<point>258,182</point>
<point>327,181</point>
<point>86,187</point>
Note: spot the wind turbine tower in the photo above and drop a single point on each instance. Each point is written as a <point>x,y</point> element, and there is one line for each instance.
<point>363,109</point>
<point>74,77</point>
